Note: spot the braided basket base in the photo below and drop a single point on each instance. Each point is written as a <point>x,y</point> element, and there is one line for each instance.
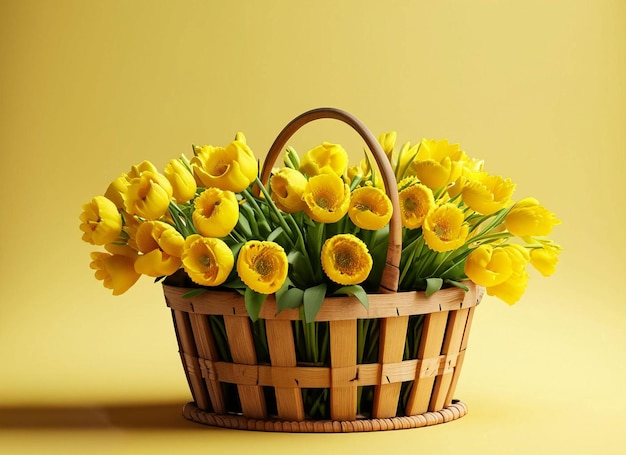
<point>455,411</point>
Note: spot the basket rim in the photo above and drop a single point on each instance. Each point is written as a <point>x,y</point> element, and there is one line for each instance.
<point>336,308</point>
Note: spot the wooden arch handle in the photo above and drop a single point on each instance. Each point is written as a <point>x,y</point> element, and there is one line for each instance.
<point>391,273</point>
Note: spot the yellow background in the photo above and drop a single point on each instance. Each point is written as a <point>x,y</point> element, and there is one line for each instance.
<point>535,88</point>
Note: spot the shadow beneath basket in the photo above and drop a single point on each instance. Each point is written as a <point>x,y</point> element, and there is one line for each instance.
<point>139,416</point>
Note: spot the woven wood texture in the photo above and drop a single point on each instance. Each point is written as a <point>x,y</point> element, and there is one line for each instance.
<point>434,373</point>
<point>232,388</point>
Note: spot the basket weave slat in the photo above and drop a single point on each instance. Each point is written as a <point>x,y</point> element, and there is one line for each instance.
<point>461,357</point>
<point>243,352</point>
<point>283,354</point>
<point>373,374</point>
<point>206,348</point>
<point>392,336</point>
<point>189,357</point>
<point>451,346</point>
<point>430,347</point>
<point>343,397</point>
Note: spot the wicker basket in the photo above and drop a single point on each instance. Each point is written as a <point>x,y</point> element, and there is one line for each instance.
<point>236,390</point>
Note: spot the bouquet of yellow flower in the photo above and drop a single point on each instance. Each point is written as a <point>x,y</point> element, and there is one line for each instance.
<point>318,227</point>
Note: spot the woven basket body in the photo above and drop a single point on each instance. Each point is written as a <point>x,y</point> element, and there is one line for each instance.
<point>418,345</point>
<point>429,379</point>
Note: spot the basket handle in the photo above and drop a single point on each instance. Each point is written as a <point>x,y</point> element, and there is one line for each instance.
<point>391,272</point>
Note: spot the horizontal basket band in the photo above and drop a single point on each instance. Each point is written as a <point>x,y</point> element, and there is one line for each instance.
<point>369,374</point>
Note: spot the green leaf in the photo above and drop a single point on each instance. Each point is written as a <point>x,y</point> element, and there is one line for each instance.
<point>356,291</point>
<point>292,298</point>
<point>193,293</point>
<point>275,234</point>
<point>433,285</point>
<point>244,227</point>
<point>313,300</point>
<point>456,271</point>
<point>286,285</point>
<point>235,248</point>
<point>235,283</point>
<point>254,301</point>
<point>299,266</point>
<point>457,284</point>
<point>264,228</point>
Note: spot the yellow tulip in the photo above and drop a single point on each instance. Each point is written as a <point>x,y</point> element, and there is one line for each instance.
<point>101,223</point>
<point>388,141</point>
<point>488,266</point>
<point>182,181</point>
<point>370,208</point>
<point>346,259</point>
<point>216,212</point>
<point>207,261</point>
<point>353,172</point>
<point>115,270</point>
<point>231,168</point>
<point>262,266</point>
<point>288,186</point>
<point>131,224</point>
<point>488,193</point>
<point>148,196</point>
<point>118,188</point>
<point>514,286</point>
<point>138,169</point>
<point>327,198</point>
<point>512,289</point>
<point>528,218</point>
<point>406,156</point>
<point>437,163</point>
<point>472,169</point>
<point>416,202</point>
<point>364,172</point>
<point>162,248</point>
<point>116,191</point>
<point>444,228</point>
<point>545,259</point>
<point>324,159</point>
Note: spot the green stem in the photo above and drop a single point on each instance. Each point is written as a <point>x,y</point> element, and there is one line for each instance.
<point>237,237</point>
<point>300,245</point>
<point>442,258</point>
<point>182,223</point>
<point>310,340</point>
<point>400,176</point>
<point>316,234</point>
<point>416,251</point>
<point>250,199</point>
<point>272,206</point>
<point>491,237</point>
<point>423,266</point>
<point>325,343</point>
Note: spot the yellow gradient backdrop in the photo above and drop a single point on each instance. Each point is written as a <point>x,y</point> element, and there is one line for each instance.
<point>535,88</point>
